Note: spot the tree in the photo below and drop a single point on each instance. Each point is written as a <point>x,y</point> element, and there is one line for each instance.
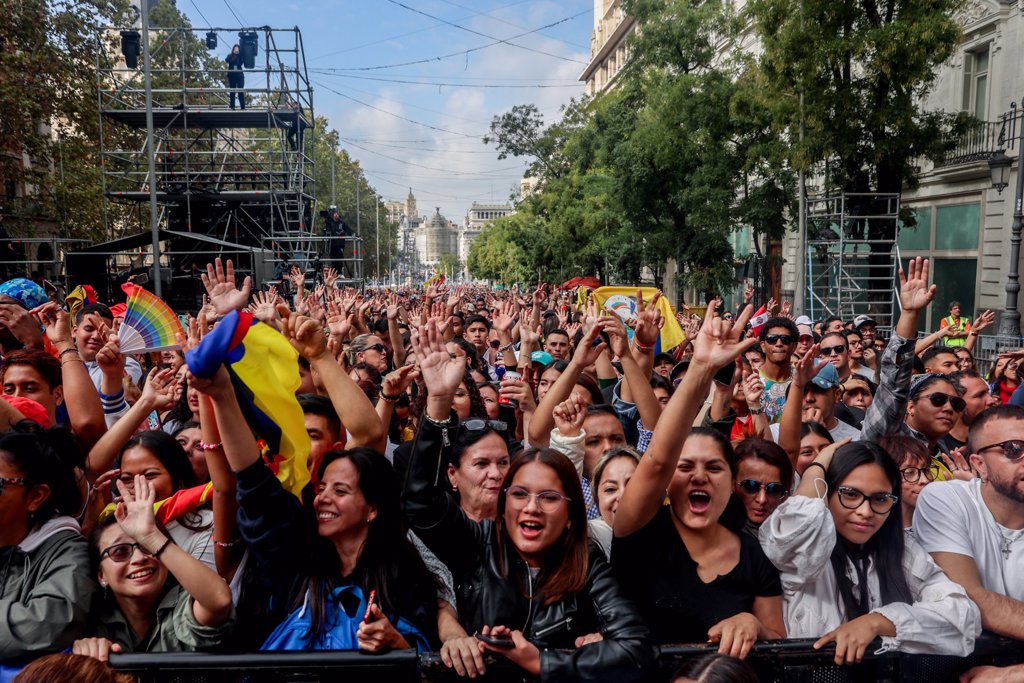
<point>450,265</point>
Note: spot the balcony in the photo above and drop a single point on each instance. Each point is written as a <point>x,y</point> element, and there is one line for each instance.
<point>984,140</point>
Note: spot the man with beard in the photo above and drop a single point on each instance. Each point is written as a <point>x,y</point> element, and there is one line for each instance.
<point>976,395</point>
<point>974,529</point>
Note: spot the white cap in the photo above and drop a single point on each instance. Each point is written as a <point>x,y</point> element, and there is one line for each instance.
<point>804,320</point>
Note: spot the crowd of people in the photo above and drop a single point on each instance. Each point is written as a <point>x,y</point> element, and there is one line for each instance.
<point>503,475</point>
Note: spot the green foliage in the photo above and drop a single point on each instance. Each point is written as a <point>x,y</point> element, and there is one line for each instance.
<point>450,265</point>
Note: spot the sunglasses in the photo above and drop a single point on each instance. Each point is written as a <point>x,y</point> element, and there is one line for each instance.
<point>776,338</point>
<point>829,350</point>
<point>880,503</point>
<point>939,399</point>
<point>773,489</point>
<point>379,348</point>
<point>1013,449</point>
<point>122,552</point>
<point>477,425</point>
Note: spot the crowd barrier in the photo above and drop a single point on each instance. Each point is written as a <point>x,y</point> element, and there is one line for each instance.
<point>788,661</point>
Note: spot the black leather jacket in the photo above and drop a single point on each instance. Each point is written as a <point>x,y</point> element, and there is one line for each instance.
<point>487,598</point>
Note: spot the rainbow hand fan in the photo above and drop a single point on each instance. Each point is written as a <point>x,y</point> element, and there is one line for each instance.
<point>149,323</point>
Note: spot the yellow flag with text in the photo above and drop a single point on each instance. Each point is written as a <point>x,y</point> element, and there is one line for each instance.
<point>622,301</point>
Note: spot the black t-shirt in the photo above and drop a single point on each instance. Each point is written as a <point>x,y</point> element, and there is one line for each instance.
<point>949,443</point>
<point>658,574</point>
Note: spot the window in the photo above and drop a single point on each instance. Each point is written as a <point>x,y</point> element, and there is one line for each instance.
<point>919,237</point>
<point>957,226</point>
<point>976,67</point>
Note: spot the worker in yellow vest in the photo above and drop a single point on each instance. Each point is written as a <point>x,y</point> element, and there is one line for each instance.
<point>957,327</point>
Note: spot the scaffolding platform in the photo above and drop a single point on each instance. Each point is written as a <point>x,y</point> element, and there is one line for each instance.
<point>210,117</point>
<point>227,181</point>
<point>852,257</point>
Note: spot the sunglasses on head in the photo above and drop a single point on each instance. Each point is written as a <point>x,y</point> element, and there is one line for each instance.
<point>786,339</point>
<point>773,489</point>
<point>939,399</point>
<point>829,350</point>
<point>472,428</point>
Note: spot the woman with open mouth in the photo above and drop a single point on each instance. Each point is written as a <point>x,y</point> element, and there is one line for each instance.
<point>693,578</point>
<point>143,610</point>
<point>850,574</point>
<point>531,587</point>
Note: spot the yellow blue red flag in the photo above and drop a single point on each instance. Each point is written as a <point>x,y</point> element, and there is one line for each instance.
<point>264,370</point>
<point>622,301</point>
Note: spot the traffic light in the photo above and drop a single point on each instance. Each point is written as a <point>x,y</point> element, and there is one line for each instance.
<point>211,40</point>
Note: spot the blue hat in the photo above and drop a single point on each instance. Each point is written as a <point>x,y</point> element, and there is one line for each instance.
<point>542,357</point>
<point>827,378</point>
<point>25,292</point>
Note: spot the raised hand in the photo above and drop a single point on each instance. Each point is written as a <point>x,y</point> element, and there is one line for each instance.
<point>306,336</point>
<point>339,320</point>
<point>981,322</point>
<point>591,346</point>
<point>807,367</point>
<point>649,320</point>
<point>504,319</point>
<point>109,357</point>
<point>220,286</point>
<point>264,308</point>
<point>753,387</point>
<point>297,277</point>
<point>616,330</point>
<point>134,513</point>
<point>915,292</point>
<point>570,414</point>
<point>748,294</point>
<point>21,324</point>
<point>159,389</point>
<point>56,322</point>
<point>330,277</point>
<point>721,341</point>
<point>397,382</point>
<point>442,372</point>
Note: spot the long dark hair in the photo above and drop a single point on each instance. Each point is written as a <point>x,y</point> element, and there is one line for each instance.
<point>567,562</point>
<point>389,563</point>
<point>46,456</point>
<point>885,548</point>
<point>173,457</point>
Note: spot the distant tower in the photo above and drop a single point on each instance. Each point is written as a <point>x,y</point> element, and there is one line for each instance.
<point>410,205</point>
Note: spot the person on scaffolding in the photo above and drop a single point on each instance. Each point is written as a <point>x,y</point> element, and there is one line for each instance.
<point>236,77</point>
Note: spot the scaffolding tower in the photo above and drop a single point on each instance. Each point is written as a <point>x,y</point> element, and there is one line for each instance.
<point>242,177</point>
<point>852,256</point>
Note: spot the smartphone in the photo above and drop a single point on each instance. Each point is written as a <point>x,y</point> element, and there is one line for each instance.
<point>724,374</point>
<point>369,606</point>
<point>153,421</point>
<point>503,642</point>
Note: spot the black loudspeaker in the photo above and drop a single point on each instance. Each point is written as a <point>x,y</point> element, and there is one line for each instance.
<point>131,48</point>
<point>211,40</point>
<point>248,43</point>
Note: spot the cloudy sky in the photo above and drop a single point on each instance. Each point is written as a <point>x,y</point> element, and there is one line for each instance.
<point>412,85</point>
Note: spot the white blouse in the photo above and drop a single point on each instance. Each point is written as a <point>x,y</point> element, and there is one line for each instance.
<point>799,537</point>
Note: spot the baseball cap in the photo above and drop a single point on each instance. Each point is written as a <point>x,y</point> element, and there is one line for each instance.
<point>542,357</point>
<point>32,410</point>
<point>664,358</point>
<point>827,377</point>
<point>803,320</point>
<point>805,331</point>
<point>680,367</point>
<point>862,319</point>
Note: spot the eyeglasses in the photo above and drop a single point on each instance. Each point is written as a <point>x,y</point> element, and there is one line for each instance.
<point>14,481</point>
<point>880,503</point>
<point>912,475</point>
<point>547,501</point>
<point>1013,449</point>
<point>939,399</point>
<point>122,552</point>
<point>773,489</point>
<point>829,350</point>
<point>784,338</point>
<point>379,348</point>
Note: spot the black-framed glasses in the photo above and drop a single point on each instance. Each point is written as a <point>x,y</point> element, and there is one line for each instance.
<point>829,350</point>
<point>122,552</point>
<point>773,489</point>
<point>938,399</point>
<point>548,501</point>
<point>786,339</point>
<point>1013,449</point>
<point>13,481</point>
<point>880,503</point>
<point>912,475</point>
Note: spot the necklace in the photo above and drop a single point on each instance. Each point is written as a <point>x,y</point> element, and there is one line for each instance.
<point>1009,538</point>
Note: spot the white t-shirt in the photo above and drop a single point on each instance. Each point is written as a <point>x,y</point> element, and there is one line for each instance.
<point>952,517</point>
<point>840,431</point>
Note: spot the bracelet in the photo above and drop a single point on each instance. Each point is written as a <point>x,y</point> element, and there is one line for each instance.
<point>644,349</point>
<point>755,411</point>
<point>210,446</point>
<point>506,347</point>
<point>71,350</point>
<point>438,423</point>
<point>72,360</point>
<point>818,464</point>
<point>162,548</point>
<point>227,544</point>
<point>389,399</point>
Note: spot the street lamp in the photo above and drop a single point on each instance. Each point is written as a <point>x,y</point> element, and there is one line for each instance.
<point>999,165</point>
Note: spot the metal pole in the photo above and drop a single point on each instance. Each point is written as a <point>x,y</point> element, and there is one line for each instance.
<point>800,295</point>
<point>154,224</point>
<point>1009,322</point>
<point>376,266</point>
<point>334,153</point>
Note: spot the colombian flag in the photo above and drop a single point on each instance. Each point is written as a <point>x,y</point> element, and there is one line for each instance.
<point>264,371</point>
<point>622,301</point>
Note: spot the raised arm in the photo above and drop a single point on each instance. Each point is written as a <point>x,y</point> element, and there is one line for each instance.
<point>354,409</point>
<point>635,378</point>
<point>586,353</point>
<point>889,407</point>
<point>980,323</point>
<point>792,413</point>
<point>718,344</point>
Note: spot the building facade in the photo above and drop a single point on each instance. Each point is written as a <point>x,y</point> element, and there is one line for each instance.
<point>477,218</point>
<point>608,45</point>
